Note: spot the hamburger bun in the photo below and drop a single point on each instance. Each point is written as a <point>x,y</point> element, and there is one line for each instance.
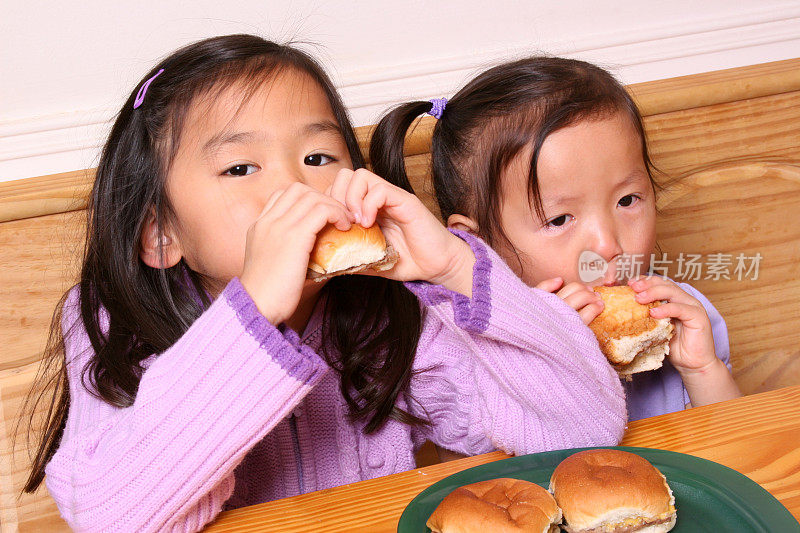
<point>338,252</point>
<point>629,337</point>
<point>500,505</point>
<point>612,491</point>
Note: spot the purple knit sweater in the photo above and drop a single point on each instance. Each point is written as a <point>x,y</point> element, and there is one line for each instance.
<point>237,412</point>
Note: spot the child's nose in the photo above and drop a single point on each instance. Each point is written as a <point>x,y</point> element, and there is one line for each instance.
<point>287,174</point>
<point>606,243</point>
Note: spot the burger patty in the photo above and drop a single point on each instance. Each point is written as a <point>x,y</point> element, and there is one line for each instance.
<point>619,529</point>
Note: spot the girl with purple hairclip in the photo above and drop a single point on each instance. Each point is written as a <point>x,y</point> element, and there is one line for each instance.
<point>545,159</point>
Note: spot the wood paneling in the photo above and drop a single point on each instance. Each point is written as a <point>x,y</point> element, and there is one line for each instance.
<point>21,512</point>
<point>39,258</point>
<point>45,195</point>
<point>718,87</point>
<point>747,210</point>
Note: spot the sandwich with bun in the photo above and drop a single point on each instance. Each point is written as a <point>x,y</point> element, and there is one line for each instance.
<point>629,337</point>
<point>612,491</point>
<point>502,505</point>
<point>338,252</point>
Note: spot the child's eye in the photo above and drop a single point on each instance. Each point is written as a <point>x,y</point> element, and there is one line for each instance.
<point>240,170</point>
<point>558,221</point>
<point>318,160</point>
<point>629,200</point>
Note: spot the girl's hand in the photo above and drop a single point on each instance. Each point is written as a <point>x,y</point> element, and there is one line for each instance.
<point>578,296</point>
<point>691,349</point>
<point>427,250</point>
<point>279,246</point>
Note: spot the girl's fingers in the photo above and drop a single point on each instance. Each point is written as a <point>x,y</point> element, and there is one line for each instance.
<point>338,189</point>
<point>313,207</point>
<point>357,189</point>
<point>585,301</point>
<point>591,311</point>
<point>690,316</point>
<point>271,201</point>
<point>579,300</point>
<point>323,214</point>
<point>287,200</point>
<point>376,198</point>
<point>663,290</point>
<point>572,288</point>
<point>281,202</point>
<point>387,198</point>
<point>550,285</point>
<point>288,208</point>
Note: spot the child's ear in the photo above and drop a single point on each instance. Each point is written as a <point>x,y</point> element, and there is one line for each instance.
<point>164,256</point>
<point>463,223</point>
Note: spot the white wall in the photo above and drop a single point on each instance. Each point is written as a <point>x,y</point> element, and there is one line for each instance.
<point>66,67</point>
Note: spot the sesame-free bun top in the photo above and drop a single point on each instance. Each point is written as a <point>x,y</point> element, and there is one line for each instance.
<point>629,337</point>
<point>338,252</point>
<point>612,489</point>
<point>502,505</point>
<point>622,315</point>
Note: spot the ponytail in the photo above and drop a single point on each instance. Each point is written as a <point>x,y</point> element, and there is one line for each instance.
<point>452,192</point>
<point>388,141</point>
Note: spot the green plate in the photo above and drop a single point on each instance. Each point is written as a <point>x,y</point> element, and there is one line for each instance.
<point>708,496</point>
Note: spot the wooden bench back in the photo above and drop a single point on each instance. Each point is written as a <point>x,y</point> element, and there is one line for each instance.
<point>730,141</point>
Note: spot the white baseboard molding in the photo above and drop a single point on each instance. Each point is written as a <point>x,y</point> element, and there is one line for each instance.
<point>40,145</point>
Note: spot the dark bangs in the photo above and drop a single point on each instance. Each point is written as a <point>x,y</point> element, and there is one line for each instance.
<point>248,74</point>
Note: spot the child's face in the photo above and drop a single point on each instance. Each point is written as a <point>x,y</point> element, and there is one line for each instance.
<point>234,155</point>
<point>596,196</point>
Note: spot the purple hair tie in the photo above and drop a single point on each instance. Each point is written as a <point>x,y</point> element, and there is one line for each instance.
<point>437,108</point>
<point>143,90</point>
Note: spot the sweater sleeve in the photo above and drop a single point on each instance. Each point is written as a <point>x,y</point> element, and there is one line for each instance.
<point>166,462</point>
<point>513,368</point>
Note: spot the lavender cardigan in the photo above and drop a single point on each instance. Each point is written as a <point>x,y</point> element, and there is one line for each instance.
<point>238,412</point>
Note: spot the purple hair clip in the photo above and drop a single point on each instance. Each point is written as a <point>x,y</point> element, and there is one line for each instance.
<point>438,105</point>
<point>143,90</point>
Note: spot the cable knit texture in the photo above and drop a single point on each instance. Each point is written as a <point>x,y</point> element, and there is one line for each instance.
<point>239,412</point>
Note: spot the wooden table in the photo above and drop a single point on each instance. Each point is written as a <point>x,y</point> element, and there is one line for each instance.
<point>756,435</point>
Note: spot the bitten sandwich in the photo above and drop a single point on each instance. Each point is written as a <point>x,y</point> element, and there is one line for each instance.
<point>629,337</point>
<point>502,505</point>
<point>612,491</point>
<point>338,252</point>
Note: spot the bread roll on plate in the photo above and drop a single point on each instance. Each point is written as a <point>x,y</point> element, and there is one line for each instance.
<point>612,491</point>
<point>629,337</point>
<point>502,505</point>
<point>338,252</point>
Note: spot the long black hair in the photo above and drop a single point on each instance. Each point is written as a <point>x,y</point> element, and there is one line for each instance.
<point>490,120</point>
<point>373,323</point>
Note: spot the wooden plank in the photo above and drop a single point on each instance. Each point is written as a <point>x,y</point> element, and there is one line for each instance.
<point>21,512</point>
<point>743,209</point>
<point>40,261</point>
<point>45,195</point>
<point>718,87</point>
<point>757,129</point>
